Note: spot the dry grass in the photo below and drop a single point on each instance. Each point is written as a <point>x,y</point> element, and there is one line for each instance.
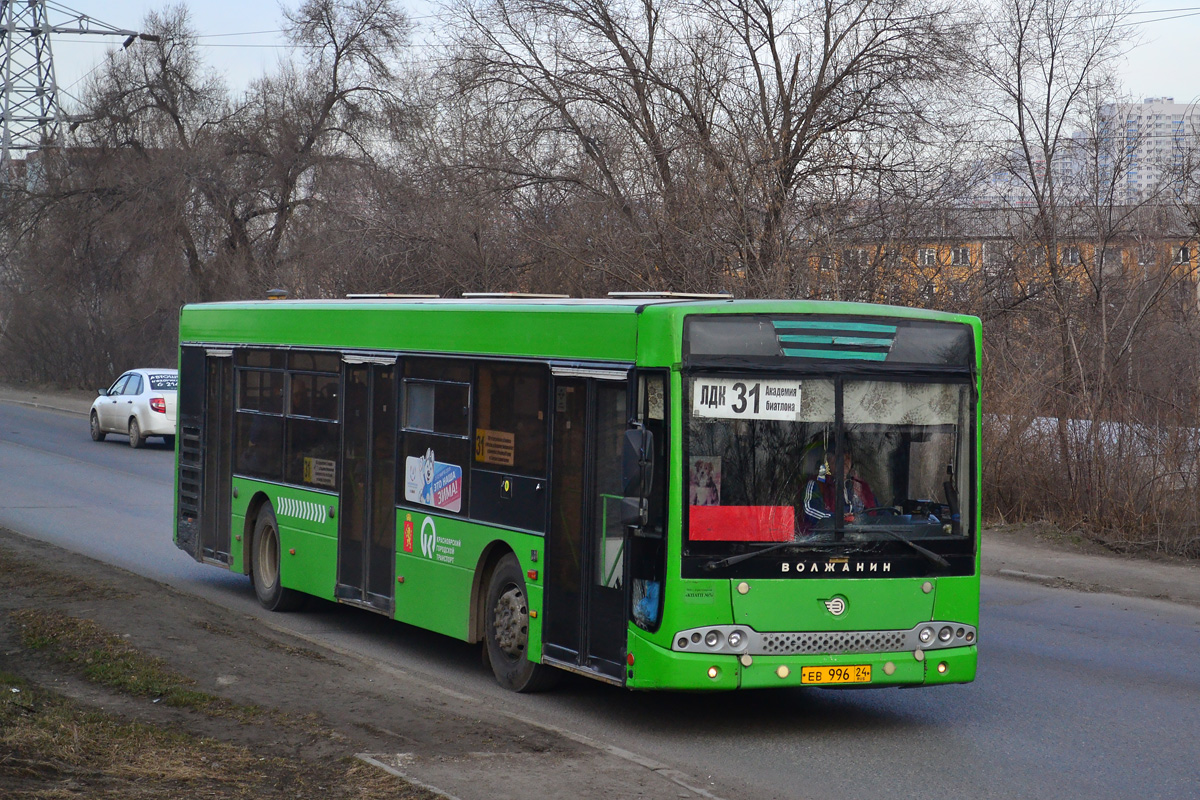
<point>51,748</point>
<point>110,661</point>
<point>21,573</point>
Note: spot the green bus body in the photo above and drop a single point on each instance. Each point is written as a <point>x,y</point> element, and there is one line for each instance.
<point>835,607</point>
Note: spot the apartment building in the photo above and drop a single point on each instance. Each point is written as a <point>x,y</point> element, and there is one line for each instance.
<point>1145,145</point>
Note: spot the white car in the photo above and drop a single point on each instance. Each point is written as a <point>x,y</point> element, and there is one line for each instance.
<point>141,403</point>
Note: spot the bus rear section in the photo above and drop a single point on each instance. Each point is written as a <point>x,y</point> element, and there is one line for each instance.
<point>827,490</point>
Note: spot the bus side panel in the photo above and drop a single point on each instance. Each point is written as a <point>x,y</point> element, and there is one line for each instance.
<point>434,595</point>
<point>308,560</point>
<point>436,561</point>
<point>238,562</point>
<point>308,525</point>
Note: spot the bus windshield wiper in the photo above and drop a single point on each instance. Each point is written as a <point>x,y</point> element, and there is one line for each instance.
<point>929,554</point>
<point>725,562</point>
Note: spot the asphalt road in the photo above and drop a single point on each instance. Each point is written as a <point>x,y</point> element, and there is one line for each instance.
<point>1078,694</point>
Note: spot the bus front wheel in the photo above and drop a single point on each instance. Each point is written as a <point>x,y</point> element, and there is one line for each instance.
<point>507,630</point>
<point>264,566</point>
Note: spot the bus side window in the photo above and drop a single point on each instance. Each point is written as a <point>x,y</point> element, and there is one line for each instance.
<point>647,548</point>
<point>313,431</point>
<point>258,447</point>
<point>508,469</point>
<point>435,445</point>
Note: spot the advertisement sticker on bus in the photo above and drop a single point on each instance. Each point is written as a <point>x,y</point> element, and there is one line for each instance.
<point>430,482</point>
<point>740,398</point>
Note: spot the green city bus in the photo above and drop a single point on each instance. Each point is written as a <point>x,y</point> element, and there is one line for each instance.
<point>657,491</point>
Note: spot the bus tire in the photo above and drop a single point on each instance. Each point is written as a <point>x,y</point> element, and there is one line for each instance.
<point>506,630</point>
<point>265,565</point>
<point>97,432</point>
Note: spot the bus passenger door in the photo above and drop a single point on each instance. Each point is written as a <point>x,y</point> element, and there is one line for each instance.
<point>586,619</point>
<point>217,498</point>
<point>367,529</point>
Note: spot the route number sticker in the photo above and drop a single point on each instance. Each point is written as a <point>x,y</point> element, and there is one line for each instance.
<point>736,398</point>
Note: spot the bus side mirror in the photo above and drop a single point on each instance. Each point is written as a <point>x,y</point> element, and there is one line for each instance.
<point>637,462</point>
<point>637,467</point>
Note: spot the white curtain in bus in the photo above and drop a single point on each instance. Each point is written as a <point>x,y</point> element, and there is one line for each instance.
<point>891,403</point>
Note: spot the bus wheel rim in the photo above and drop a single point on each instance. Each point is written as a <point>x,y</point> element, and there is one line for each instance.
<point>510,622</point>
<point>268,559</point>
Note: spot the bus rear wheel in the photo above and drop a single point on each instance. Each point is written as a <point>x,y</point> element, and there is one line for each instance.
<point>506,631</point>
<point>265,566</point>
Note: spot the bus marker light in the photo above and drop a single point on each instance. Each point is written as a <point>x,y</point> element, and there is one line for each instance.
<point>713,672</point>
<point>331,514</point>
<point>746,659</point>
<point>919,655</point>
<point>942,668</point>
<point>238,537</point>
<point>629,659</point>
<point>532,574</point>
<point>743,587</point>
<point>292,551</point>
<point>783,671</point>
<point>889,668</point>
<point>532,614</point>
<point>400,579</point>
<point>927,587</point>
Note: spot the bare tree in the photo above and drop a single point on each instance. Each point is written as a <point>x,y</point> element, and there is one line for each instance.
<point>702,124</point>
<point>1040,61</point>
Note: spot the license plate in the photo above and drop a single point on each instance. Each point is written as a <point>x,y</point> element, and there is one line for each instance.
<point>852,674</point>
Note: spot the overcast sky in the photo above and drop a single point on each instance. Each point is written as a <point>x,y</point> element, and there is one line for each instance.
<point>1167,63</point>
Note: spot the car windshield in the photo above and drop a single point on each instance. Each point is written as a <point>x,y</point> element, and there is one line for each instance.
<point>811,461</point>
<point>164,382</point>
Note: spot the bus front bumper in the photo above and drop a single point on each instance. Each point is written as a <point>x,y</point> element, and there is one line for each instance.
<point>655,667</point>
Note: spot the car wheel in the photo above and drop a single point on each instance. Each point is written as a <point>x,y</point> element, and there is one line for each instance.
<point>136,439</point>
<point>265,566</point>
<point>97,434</point>
<point>506,630</point>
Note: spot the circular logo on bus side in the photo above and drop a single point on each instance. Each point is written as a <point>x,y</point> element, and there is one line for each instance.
<point>835,605</point>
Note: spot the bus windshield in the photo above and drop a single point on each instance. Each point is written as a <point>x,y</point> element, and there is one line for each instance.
<point>819,461</point>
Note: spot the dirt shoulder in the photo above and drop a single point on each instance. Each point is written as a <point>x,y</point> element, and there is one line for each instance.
<point>115,686</point>
<point>1046,555</point>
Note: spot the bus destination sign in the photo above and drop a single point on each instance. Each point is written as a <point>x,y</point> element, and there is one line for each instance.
<point>737,398</point>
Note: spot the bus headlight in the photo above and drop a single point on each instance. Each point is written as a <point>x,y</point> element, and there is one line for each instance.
<point>712,639</point>
<point>926,635</point>
<point>946,633</point>
<point>736,639</point>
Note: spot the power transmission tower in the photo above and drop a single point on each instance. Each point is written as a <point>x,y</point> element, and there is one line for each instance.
<point>30,114</point>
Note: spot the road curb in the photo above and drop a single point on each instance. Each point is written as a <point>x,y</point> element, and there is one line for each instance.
<point>45,406</point>
<point>1027,576</point>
